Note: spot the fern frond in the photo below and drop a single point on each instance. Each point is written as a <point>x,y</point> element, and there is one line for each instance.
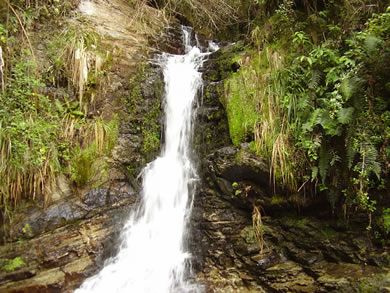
<point>315,79</point>
<point>370,158</point>
<point>350,86</point>
<point>350,153</point>
<point>324,160</point>
<point>335,158</point>
<point>347,88</point>
<point>345,115</point>
<point>372,44</point>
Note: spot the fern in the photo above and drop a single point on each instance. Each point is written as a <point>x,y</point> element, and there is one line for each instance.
<point>350,153</point>
<point>348,87</point>
<point>370,155</point>
<point>345,115</point>
<point>314,173</point>
<point>335,158</point>
<point>324,161</point>
<point>372,44</point>
<point>315,79</point>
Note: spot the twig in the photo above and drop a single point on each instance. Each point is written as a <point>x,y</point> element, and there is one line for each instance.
<point>1,71</point>
<point>302,185</point>
<point>24,31</point>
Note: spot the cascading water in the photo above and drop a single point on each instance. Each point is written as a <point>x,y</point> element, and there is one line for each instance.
<point>153,257</point>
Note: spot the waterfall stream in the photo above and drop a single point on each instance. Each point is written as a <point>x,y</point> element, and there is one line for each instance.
<point>153,257</point>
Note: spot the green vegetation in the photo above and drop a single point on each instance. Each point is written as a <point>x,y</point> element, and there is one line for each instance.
<point>147,121</point>
<point>384,221</point>
<point>85,169</point>
<point>311,92</point>
<point>207,16</point>
<point>329,233</point>
<point>27,231</point>
<point>278,200</point>
<point>240,110</point>
<point>300,223</point>
<point>11,265</point>
<point>49,123</point>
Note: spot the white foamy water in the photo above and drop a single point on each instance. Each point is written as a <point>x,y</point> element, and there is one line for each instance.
<point>153,257</point>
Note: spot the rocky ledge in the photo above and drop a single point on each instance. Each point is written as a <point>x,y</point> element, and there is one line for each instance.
<point>61,258</point>
<point>246,247</point>
<point>250,236</point>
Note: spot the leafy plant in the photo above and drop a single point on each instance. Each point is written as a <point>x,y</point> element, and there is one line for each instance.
<point>39,130</point>
<point>320,113</point>
<point>385,221</point>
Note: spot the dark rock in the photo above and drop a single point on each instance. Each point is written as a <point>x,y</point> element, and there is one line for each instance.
<point>222,63</point>
<point>95,198</point>
<point>238,165</point>
<point>170,40</point>
<point>269,260</point>
<point>299,255</point>
<point>76,251</point>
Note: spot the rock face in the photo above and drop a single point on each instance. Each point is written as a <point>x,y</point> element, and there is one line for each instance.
<point>292,255</point>
<point>249,239</point>
<point>59,260</point>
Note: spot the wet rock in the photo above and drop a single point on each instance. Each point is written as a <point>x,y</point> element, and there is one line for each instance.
<point>38,220</point>
<point>211,129</point>
<point>269,259</point>
<point>222,63</point>
<point>170,40</point>
<point>71,210</point>
<point>48,281</point>
<point>238,165</point>
<point>95,199</point>
<point>62,188</point>
<point>60,260</point>
<point>239,175</point>
<point>299,254</point>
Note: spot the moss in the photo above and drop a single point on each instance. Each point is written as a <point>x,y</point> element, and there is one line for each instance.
<point>296,222</point>
<point>27,230</point>
<point>241,109</point>
<point>328,233</point>
<point>249,235</point>
<point>145,111</point>
<point>151,129</point>
<point>12,264</point>
<point>278,200</point>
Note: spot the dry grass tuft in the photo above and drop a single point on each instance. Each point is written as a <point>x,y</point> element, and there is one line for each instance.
<point>258,227</point>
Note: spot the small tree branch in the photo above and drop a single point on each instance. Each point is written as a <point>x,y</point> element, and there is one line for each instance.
<point>24,31</point>
<point>1,71</point>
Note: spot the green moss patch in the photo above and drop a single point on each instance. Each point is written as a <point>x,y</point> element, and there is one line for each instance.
<point>11,265</point>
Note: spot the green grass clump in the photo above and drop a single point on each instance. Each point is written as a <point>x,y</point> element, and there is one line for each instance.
<point>87,164</point>
<point>241,110</point>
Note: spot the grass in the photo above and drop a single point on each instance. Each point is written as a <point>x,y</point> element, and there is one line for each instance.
<point>252,102</point>
<point>240,108</point>
<point>87,166</point>
<point>278,200</point>
<point>296,222</point>
<point>43,135</point>
<point>258,227</point>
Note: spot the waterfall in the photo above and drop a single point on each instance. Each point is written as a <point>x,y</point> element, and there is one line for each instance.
<point>153,257</point>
